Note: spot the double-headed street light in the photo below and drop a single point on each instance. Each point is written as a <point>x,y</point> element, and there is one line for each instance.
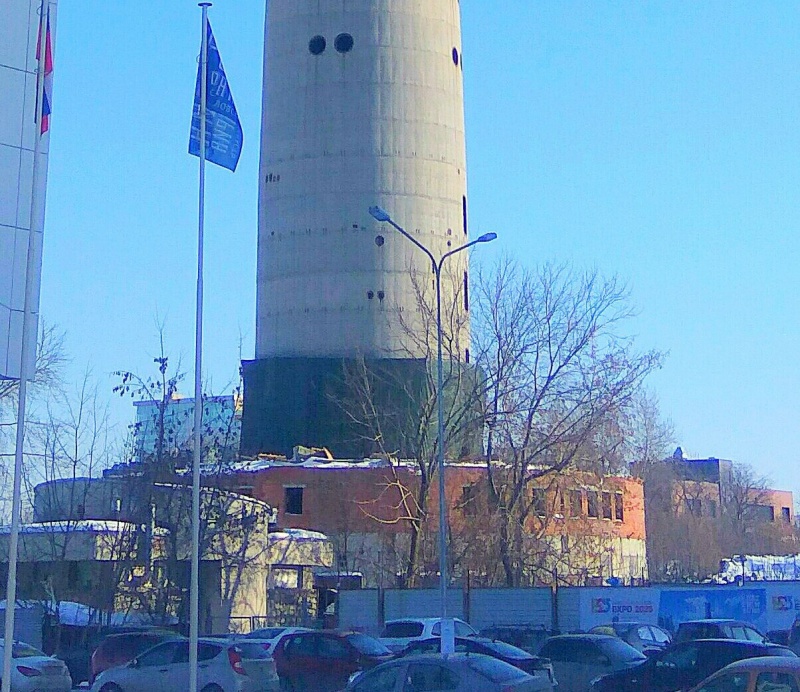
<point>383,216</point>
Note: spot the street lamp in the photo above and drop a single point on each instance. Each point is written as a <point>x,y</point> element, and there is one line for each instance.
<point>383,216</point>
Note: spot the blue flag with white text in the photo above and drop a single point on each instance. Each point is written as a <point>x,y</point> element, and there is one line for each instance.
<point>224,135</point>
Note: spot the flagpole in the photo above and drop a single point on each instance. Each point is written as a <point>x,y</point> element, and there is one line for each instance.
<point>24,374</point>
<point>194,587</point>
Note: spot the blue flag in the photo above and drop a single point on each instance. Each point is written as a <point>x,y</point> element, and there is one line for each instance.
<point>224,135</point>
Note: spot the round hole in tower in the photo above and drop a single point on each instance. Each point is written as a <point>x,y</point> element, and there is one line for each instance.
<point>449,243</point>
<point>343,43</point>
<point>317,45</point>
<point>381,295</point>
<point>379,240</point>
<point>455,56</point>
<point>370,295</point>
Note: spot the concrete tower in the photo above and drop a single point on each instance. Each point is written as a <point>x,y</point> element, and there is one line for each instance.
<point>363,105</point>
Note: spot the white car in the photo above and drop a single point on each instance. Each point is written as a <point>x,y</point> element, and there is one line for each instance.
<point>33,670</point>
<point>223,666</point>
<point>398,634</point>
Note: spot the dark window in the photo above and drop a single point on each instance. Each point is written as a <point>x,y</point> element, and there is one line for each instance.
<point>464,212</point>
<point>466,291</point>
<point>455,56</point>
<point>300,646</point>
<point>539,502</point>
<point>591,504</point>
<point>712,508</point>
<point>332,649</point>
<point>619,508</point>
<point>469,504</point>
<point>606,505</point>
<point>429,677</point>
<point>493,668</point>
<point>694,506</point>
<point>343,43</point>
<point>401,630</point>
<point>734,682</point>
<point>761,512</point>
<point>293,499</point>
<point>381,295</point>
<point>379,240</point>
<point>783,682</point>
<point>383,680</point>
<point>466,355</point>
<point>575,503</point>
<point>786,514</point>
<point>317,45</point>
<point>367,645</point>
<point>370,295</point>
<point>160,655</point>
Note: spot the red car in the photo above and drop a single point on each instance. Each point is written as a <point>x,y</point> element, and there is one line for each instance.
<point>118,649</point>
<point>324,660</point>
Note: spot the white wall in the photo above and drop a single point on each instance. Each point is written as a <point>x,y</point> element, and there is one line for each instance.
<point>381,124</point>
<point>18,35</point>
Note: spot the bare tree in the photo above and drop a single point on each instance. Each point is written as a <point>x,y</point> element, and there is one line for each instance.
<point>563,372</point>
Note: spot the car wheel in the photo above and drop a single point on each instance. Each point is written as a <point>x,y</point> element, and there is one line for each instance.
<point>212,688</point>
<point>110,687</point>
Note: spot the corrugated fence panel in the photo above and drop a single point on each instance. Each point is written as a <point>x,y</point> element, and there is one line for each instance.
<point>360,610</point>
<point>421,603</point>
<point>511,607</point>
<point>568,601</point>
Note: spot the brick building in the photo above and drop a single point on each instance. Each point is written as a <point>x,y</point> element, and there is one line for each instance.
<point>582,528</point>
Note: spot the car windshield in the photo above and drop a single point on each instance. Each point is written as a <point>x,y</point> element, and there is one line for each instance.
<point>368,645</point>
<point>506,650</point>
<point>494,669</point>
<point>401,630</point>
<point>618,650</point>
<point>23,650</point>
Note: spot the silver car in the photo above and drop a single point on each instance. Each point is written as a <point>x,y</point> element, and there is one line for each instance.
<point>223,666</point>
<point>455,673</point>
<point>34,671</point>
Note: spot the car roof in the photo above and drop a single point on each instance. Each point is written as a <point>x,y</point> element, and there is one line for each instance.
<point>585,637</point>
<point>715,621</point>
<point>425,621</point>
<point>771,662</point>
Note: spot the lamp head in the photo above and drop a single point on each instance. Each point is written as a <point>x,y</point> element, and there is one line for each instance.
<point>486,238</point>
<point>379,214</point>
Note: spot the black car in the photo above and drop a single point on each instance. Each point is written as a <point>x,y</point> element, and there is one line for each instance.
<point>645,638</point>
<point>533,665</point>
<point>711,628</point>
<point>684,665</point>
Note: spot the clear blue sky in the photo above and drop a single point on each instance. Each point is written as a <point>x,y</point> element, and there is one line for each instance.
<point>657,140</point>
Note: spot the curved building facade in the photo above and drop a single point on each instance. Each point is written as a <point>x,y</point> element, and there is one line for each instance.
<point>363,105</point>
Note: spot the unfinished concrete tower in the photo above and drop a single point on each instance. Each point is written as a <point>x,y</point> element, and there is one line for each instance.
<point>362,105</point>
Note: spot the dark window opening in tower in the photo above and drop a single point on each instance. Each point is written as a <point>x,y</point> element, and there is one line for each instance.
<point>466,355</point>
<point>379,240</point>
<point>381,295</point>
<point>317,45</point>
<point>343,43</point>
<point>466,291</point>
<point>455,56</point>
<point>370,295</point>
<point>293,500</point>
<point>464,212</point>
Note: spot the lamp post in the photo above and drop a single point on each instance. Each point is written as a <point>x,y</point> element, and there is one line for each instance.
<point>383,216</point>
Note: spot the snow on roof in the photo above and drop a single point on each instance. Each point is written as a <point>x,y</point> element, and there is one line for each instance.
<point>297,535</point>
<point>82,525</point>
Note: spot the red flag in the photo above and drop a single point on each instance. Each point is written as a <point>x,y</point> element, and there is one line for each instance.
<point>45,60</point>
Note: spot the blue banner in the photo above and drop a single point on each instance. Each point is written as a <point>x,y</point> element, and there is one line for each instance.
<point>224,135</point>
<point>745,604</point>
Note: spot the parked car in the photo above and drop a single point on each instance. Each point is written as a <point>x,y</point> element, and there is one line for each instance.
<point>118,649</point>
<point>33,670</point>
<point>324,660</point>
<point>273,633</point>
<point>528,639</point>
<point>684,665</point>
<point>644,638</point>
<point>767,674</point>
<point>718,629</point>
<point>223,666</point>
<point>535,666</point>
<point>398,634</point>
<point>455,673</point>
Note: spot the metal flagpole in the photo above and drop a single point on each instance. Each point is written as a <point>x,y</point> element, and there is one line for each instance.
<point>24,374</point>
<point>194,587</point>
